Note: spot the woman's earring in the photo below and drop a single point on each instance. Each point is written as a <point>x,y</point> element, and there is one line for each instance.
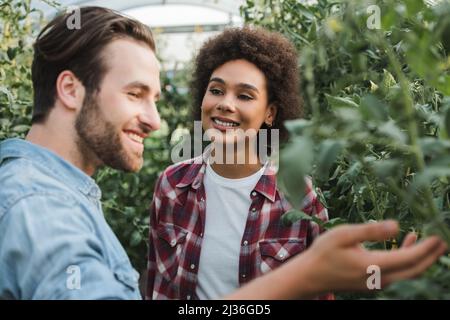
<point>269,125</point>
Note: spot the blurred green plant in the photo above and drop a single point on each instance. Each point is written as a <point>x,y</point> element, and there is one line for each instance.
<point>16,34</point>
<point>377,127</point>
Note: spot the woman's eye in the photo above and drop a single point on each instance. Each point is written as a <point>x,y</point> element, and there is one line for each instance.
<point>215,91</point>
<point>245,97</point>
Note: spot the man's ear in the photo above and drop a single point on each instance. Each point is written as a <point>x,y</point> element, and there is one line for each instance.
<point>69,90</point>
<point>271,114</point>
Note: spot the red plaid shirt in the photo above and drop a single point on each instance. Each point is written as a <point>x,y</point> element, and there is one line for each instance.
<point>177,224</point>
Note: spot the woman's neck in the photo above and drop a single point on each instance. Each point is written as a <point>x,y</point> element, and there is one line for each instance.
<point>236,164</point>
<point>235,171</point>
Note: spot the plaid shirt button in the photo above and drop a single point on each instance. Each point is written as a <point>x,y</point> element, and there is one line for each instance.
<point>192,266</point>
<point>243,276</point>
<point>173,243</point>
<point>254,193</point>
<point>188,297</point>
<point>253,209</point>
<point>245,242</point>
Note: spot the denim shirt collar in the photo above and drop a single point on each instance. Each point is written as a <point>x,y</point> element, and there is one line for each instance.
<point>54,165</point>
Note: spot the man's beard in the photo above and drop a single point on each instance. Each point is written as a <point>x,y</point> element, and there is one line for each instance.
<point>99,141</point>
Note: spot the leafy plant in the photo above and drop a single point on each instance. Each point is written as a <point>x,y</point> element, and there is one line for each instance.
<point>376,135</point>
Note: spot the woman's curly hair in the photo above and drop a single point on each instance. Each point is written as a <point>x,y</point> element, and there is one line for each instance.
<point>271,52</point>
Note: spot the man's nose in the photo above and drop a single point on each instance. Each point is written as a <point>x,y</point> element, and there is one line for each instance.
<point>150,118</point>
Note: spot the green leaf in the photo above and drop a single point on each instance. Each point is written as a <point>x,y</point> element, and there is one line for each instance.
<point>333,223</point>
<point>414,6</point>
<point>388,19</point>
<point>388,79</point>
<point>428,175</point>
<point>443,84</point>
<point>432,146</point>
<point>297,126</point>
<point>21,128</point>
<point>386,168</point>
<point>373,109</point>
<point>445,260</point>
<point>329,150</point>
<point>295,163</point>
<point>8,94</point>
<point>136,238</point>
<point>390,129</point>
<point>293,216</point>
<point>339,102</point>
<point>305,11</point>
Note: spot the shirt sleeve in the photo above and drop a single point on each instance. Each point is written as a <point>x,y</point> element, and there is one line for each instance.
<point>49,250</point>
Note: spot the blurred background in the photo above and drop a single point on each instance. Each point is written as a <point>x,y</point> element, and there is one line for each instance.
<point>180,26</point>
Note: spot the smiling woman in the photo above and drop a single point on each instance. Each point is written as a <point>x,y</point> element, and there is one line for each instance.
<point>236,98</point>
<point>216,226</point>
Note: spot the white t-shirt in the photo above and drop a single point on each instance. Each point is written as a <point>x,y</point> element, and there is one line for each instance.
<point>227,205</point>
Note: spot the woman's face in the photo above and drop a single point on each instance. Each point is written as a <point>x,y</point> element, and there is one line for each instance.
<point>236,98</point>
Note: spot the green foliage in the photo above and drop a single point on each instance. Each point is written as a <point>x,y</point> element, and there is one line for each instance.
<point>377,104</point>
<point>16,32</point>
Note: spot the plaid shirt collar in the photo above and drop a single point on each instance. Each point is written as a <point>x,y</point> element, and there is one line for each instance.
<point>267,184</point>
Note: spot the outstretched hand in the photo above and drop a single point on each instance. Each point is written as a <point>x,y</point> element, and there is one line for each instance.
<point>341,263</point>
<point>336,261</point>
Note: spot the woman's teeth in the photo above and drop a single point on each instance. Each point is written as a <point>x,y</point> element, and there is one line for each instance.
<point>225,124</point>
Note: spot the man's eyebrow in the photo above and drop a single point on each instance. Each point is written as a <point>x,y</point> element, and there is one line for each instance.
<point>138,85</point>
<point>243,85</point>
<point>142,86</point>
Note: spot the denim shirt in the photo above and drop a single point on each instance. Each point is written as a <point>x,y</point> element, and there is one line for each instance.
<point>54,240</point>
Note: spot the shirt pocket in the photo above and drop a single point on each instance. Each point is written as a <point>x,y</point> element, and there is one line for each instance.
<point>169,246</point>
<point>275,252</point>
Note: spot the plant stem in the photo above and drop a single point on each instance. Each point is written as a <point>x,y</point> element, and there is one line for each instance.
<point>413,134</point>
<point>374,200</point>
